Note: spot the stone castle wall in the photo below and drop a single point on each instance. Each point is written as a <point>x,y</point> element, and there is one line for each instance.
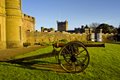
<point>48,37</point>
<point>13,24</point>
<point>28,25</point>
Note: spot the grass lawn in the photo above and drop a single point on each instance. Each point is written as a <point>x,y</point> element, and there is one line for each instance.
<point>104,65</point>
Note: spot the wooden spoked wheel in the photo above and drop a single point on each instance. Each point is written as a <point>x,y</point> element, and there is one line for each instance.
<point>74,57</point>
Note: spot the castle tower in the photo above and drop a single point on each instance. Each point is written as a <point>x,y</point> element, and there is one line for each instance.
<point>13,23</point>
<point>2,25</point>
<point>62,26</point>
<point>28,26</point>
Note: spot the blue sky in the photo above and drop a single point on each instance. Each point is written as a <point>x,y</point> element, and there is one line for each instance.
<point>77,12</point>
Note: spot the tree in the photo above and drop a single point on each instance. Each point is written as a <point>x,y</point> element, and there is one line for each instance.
<point>118,29</point>
<point>86,26</point>
<point>106,28</point>
<point>94,26</point>
<point>115,30</point>
<point>82,29</point>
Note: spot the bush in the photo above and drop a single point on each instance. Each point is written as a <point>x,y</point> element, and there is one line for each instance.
<point>63,40</point>
<point>26,44</point>
<point>36,43</point>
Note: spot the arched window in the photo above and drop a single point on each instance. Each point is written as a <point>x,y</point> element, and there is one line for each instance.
<point>28,33</point>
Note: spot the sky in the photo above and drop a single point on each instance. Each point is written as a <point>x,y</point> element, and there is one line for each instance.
<point>77,12</point>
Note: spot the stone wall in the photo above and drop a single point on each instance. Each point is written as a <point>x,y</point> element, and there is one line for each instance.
<point>48,37</point>
<point>108,37</point>
<point>28,25</point>
<point>13,23</point>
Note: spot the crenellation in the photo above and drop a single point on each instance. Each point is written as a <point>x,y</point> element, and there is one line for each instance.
<point>28,17</point>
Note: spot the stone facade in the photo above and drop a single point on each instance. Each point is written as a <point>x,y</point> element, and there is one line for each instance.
<point>2,24</point>
<point>28,26</point>
<point>13,24</point>
<point>52,37</point>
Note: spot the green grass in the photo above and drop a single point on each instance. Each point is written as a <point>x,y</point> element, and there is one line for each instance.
<point>104,65</point>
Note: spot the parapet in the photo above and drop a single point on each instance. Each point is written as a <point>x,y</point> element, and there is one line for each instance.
<point>61,22</point>
<point>29,18</point>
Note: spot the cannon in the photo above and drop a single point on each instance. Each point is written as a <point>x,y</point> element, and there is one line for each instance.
<point>73,56</point>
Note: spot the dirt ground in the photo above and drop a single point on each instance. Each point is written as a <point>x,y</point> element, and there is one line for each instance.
<point>6,54</point>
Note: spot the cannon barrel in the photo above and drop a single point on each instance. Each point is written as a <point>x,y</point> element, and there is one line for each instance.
<point>94,45</point>
<point>57,45</point>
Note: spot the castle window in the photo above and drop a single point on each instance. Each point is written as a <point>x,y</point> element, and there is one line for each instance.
<point>28,33</point>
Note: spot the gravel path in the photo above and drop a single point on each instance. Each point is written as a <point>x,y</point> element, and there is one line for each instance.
<point>9,53</point>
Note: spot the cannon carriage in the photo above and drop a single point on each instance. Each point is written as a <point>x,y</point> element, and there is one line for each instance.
<point>73,56</point>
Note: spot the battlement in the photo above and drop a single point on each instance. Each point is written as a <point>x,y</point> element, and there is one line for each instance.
<point>29,18</point>
<point>61,22</point>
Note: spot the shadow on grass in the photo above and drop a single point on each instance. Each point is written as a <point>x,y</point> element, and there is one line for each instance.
<point>32,63</point>
<point>38,65</point>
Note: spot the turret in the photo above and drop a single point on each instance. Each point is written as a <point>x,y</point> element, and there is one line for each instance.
<point>2,25</point>
<point>28,26</point>
<point>13,23</point>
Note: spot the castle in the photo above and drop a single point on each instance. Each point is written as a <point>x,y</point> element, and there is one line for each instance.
<point>18,29</point>
<point>62,26</point>
<point>14,24</point>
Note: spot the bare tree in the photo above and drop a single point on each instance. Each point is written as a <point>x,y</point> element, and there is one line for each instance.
<point>94,25</point>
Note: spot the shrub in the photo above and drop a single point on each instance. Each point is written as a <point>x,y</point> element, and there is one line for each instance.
<point>36,43</point>
<point>26,44</point>
<point>63,40</point>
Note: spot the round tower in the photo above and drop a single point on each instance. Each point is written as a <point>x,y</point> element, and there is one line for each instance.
<point>2,25</point>
<point>13,23</point>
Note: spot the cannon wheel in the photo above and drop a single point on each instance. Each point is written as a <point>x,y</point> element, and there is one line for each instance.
<point>74,57</point>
